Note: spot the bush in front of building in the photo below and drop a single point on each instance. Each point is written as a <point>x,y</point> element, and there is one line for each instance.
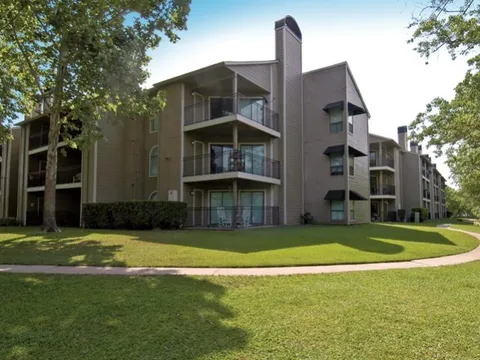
<point>139,215</point>
<point>423,214</point>
<point>9,221</point>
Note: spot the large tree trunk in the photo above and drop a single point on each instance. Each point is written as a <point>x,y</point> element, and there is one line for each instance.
<point>49,206</point>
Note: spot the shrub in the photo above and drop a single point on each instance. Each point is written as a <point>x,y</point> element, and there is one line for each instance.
<point>401,215</point>
<point>424,214</point>
<point>9,221</point>
<point>307,218</point>
<point>135,215</point>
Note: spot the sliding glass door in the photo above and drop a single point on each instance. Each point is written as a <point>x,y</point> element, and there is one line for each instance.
<point>254,160</point>
<point>252,109</point>
<point>250,212</point>
<point>252,204</point>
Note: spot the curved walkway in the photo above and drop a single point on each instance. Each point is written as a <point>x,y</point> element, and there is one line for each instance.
<point>272,271</point>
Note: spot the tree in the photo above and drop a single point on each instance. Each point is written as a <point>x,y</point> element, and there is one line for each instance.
<point>88,58</point>
<point>452,126</point>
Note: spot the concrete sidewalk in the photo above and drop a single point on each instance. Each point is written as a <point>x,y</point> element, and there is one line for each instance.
<point>473,255</point>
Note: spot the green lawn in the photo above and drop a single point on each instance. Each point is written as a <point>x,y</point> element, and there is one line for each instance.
<point>397,314</point>
<point>261,247</point>
<point>467,227</point>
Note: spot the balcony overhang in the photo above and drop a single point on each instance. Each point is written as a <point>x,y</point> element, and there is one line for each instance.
<point>382,168</point>
<point>379,197</point>
<point>230,119</point>
<point>231,175</point>
<point>75,185</point>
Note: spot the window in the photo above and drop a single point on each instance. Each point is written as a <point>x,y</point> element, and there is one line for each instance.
<point>352,210</point>
<point>337,210</point>
<point>351,165</point>
<point>154,124</point>
<point>153,196</point>
<point>336,164</point>
<point>336,120</point>
<point>153,162</point>
<point>350,124</point>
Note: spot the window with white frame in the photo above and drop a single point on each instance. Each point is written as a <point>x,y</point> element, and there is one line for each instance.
<point>350,124</point>
<point>153,196</point>
<point>337,210</point>
<point>336,120</point>
<point>351,165</point>
<point>154,124</point>
<point>352,210</point>
<point>153,162</point>
<point>336,164</point>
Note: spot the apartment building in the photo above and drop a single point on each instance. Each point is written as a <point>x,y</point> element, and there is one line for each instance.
<point>402,177</point>
<point>336,146</point>
<point>249,143</point>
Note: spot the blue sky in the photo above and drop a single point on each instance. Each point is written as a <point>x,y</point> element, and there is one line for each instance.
<point>371,35</point>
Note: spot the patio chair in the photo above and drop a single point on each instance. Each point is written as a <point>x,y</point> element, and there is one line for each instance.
<point>246,217</point>
<point>223,219</point>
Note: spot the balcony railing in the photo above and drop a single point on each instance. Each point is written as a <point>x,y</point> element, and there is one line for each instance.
<point>252,108</point>
<point>382,162</point>
<point>382,190</point>
<point>426,194</point>
<point>65,175</point>
<point>229,217</point>
<point>436,198</point>
<point>231,161</point>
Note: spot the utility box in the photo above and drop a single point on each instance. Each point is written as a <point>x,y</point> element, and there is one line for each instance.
<point>172,195</point>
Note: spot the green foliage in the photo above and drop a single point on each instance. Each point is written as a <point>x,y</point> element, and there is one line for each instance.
<point>8,221</point>
<point>84,60</point>
<point>424,214</point>
<point>451,126</point>
<point>135,215</point>
<point>307,218</point>
<point>460,204</point>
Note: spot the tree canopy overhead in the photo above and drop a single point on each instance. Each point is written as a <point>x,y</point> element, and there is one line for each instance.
<point>452,126</point>
<point>88,57</point>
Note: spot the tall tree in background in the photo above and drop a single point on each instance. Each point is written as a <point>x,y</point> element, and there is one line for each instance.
<point>88,57</point>
<point>453,127</point>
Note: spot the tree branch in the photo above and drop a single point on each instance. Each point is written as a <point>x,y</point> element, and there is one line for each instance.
<point>27,59</point>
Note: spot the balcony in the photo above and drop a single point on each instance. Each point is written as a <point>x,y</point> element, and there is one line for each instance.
<point>69,175</point>
<point>230,217</point>
<point>436,198</point>
<point>251,111</point>
<point>386,162</point>
<point>231,164</point>
<point>383,190</point>
<point>38,140</point>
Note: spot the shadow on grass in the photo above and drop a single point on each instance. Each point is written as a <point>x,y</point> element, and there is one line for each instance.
<point>71,248</point>
<point>53,249</point>
<point>367,237</point>
<point>48,317</point>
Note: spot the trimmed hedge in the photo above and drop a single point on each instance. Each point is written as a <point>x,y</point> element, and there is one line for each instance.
<point>9,221</point>
<point>135,215</point>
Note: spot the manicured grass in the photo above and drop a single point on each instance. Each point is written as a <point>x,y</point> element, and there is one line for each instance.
<point>402,314</point>
<point>467,227</point>
<point>261,247</point>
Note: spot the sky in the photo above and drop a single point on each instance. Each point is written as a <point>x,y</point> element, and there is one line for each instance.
<point>371,35</point>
